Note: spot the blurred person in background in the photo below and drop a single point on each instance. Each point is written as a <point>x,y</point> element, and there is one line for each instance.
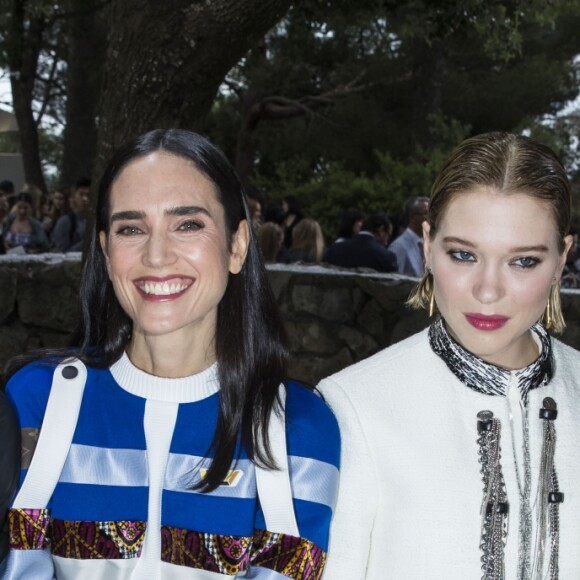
<point>270,238</point>
<point>368,248</point>
<point>307,242</point>
<point>69,231</point>
<point>24,234</point>
<point>408,247</point>
<point>291,207</point>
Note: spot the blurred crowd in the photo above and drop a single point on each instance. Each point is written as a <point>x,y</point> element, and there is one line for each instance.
<point>362,240</point>
<point>32,222</point>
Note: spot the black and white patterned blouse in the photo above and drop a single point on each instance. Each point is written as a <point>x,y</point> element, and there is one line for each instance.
<point>487,378</point>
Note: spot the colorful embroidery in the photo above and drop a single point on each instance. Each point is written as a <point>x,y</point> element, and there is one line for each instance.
<point>28,528</point>
<point>224,554</point>
<point>294,557</point>
<point>97,540</point>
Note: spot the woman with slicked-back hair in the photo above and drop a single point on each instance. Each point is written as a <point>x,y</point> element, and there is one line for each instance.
<point>460,443</point>
<point>168,443</point>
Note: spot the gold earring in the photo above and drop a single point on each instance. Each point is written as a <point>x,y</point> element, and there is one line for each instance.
<point>548,313</point>
<point>432,304</point>
<point>553,318</point>
<point>430,290</point>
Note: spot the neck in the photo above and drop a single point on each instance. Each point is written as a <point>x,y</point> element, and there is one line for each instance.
<point>170,357</point>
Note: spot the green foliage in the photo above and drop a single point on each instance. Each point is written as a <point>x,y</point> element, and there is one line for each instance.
<point>333,188</point>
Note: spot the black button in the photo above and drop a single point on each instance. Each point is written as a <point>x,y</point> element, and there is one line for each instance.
<point>70,372</point>
<point>548,414</point>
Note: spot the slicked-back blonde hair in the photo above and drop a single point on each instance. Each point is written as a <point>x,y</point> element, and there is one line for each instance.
<point>507,164</point>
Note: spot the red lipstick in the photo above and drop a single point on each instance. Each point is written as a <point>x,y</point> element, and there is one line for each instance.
<point>485,322</point>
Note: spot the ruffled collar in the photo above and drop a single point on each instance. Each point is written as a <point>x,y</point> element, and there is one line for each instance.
<point>486,378</point>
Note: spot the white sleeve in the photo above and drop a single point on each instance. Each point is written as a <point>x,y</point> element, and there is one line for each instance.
<point>353,520</point>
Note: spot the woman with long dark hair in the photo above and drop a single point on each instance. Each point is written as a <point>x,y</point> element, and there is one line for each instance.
<point>461,443</point>
<point>191,457</point>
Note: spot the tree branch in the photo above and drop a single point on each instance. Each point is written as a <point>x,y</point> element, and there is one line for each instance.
<point>47,91</point>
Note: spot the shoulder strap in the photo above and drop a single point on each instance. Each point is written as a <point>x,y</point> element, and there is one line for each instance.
<point>274,491</point>
<point>56,433</point>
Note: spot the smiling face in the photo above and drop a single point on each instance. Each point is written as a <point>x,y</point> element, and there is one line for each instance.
<point>167,251</point>
<point>494,259</point>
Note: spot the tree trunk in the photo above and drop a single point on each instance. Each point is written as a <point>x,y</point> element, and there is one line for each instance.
<point>166,62</point>
<point>25,42</point>
<point>84,78</point>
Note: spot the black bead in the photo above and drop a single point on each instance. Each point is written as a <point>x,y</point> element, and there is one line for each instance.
<point>70,372</point>
<point>499,508</point>
<point>556,497</point>
<point>484,421</point>
<point>548,414</point>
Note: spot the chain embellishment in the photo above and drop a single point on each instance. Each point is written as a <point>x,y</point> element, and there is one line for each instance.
<point>494,508</point>
<point>548,498</point>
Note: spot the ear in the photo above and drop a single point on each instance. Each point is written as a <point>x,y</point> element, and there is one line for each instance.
<point>568,241</point>
<point>427,244</point>
<point>105,250</point>
<point>240,244</point>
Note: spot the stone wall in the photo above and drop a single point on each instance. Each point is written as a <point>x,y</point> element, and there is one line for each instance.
<point>333,317</point>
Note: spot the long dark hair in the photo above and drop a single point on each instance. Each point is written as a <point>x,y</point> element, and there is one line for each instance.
<point>250,340</point>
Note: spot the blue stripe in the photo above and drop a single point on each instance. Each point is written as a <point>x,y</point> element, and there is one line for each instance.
<point>313,522</point>
<point>99,503</point>
<point>104,398</point>
<point>213,515</point>
<point>311,427</point>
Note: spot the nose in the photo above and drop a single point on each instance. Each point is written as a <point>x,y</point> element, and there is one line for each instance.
<point>158,251</point>
<point>488,286</point>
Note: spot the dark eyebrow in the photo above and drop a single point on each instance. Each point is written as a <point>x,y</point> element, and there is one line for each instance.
<point>515,250</point>
<point>186,210</point>
<point>127,215</point>
<point>177,211</point>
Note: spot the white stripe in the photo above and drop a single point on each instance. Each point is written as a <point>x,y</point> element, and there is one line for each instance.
<point>313,480</point>
<point>71,569</point>
<point>56,433</point>
<point>264,574</point>
<point>274,490</point>
<point>159,422</point>
<point>24,564</point>
<point>90,465</point>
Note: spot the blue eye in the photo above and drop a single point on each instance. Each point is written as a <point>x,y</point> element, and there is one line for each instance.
<point>461,256</point>
<point>526,262</point>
